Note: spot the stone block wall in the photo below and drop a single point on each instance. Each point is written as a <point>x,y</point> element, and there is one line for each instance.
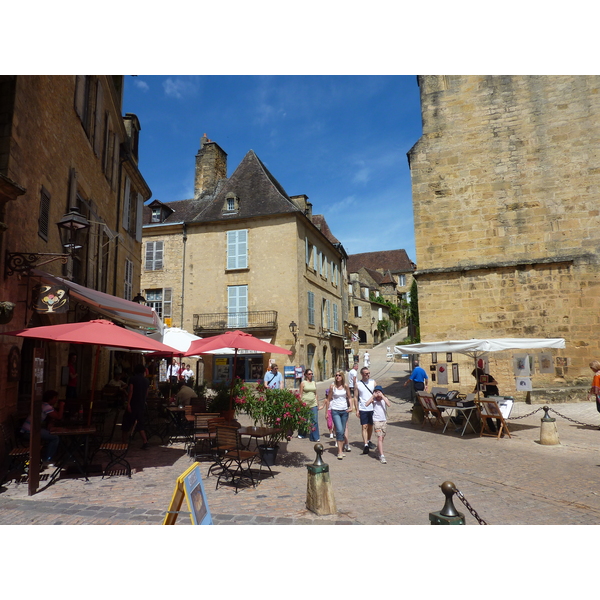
<point>505,192</point>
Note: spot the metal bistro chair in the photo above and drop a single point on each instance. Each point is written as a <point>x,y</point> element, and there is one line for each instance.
<point>202,436</point>
<point>117,451</point>
<point>235,463</point>
<point>14,456</point>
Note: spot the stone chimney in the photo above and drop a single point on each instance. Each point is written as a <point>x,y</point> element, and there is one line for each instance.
<point>301,201</point>
<point>211,166</point>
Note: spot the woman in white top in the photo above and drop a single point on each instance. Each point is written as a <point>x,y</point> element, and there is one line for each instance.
<point>340,403</point>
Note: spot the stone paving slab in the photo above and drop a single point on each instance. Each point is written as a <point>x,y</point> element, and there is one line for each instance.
<point>507,481</point>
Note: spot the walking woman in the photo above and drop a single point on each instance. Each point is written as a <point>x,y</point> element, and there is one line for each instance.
<point>595,389</point>
<point>308,395</point>
<point>341,404</point>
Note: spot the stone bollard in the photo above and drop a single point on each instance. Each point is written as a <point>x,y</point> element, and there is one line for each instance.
<point>448,515</point>
<point>319,494</point>
<point>548,430</point>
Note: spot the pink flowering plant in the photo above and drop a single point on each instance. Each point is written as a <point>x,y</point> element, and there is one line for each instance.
<point>282,409</point>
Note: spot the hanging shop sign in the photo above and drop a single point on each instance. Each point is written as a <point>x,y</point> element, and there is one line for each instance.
<point>50,299</point>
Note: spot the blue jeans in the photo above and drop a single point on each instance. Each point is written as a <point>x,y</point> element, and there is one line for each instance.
<point>49,440</point>
<point>314,426</point>
<point>340,418</point>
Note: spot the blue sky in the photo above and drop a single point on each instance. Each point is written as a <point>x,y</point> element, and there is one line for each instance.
<point>341,140</point>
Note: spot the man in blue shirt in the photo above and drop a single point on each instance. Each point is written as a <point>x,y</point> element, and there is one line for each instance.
<point>273,378</point>
<point>418,377</point>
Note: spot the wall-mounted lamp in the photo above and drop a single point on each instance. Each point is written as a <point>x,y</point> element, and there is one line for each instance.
<point>139,298</point>
<point>294,330</point>
<point>70,227</point>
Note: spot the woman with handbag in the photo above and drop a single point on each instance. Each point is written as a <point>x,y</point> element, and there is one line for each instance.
<point>341,405</point>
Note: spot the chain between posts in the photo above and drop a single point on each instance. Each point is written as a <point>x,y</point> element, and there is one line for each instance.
<point>462,498</point>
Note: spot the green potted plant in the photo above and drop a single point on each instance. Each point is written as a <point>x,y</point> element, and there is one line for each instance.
<point>275,408</point>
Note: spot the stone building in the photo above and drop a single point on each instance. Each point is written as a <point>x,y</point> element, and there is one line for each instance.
<point>505,181</point>
<point>386,274</point>
<point>242,254</point>
<point>64,144</point>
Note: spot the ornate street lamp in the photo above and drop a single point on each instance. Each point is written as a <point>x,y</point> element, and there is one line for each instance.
<point>294,330</point>
<point>70,227</point>
<point>140,299</point>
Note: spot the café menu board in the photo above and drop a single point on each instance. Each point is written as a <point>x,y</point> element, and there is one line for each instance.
<point>189,486</point>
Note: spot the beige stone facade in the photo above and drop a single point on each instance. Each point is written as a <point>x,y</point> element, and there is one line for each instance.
<point>286,269</point>
<point>505,193</point>
<point>60,146</point>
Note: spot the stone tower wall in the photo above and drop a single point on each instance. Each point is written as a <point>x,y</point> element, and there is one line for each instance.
<point>505,191</point>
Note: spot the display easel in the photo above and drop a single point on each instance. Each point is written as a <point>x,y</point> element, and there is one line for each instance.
<point>189,486</point>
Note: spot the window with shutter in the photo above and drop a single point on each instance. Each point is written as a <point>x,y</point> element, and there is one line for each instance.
<point>237,249</point>
<point>126,204</point>
<point>237,306</point>
<point>44,218</point>
<point>128,290</point>
<point>311,308</point>
<point>154,256</point>
<point>335,318</point>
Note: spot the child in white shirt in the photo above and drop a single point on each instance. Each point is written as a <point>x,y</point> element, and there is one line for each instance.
<point>380,405</point>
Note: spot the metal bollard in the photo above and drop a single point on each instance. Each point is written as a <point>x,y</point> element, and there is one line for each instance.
<point>548,430</point>
<point>448,515</point>
<point>319,494</point>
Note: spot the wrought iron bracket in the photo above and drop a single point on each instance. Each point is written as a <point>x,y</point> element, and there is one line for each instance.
<point>23,262</point>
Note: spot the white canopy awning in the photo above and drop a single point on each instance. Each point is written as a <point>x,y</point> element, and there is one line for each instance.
<point>477,347</point>
<point>124,311</point>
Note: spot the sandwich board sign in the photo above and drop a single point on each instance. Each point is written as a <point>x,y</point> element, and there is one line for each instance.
<point>189,486</point>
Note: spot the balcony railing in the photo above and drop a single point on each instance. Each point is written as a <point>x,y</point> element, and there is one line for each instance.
<point>256,319</point>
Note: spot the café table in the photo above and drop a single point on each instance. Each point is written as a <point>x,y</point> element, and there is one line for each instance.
<point>181,426</point>
<point>255,433</point>
<point>74,447</point>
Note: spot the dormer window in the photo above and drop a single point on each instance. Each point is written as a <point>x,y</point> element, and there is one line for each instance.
<point>232,203</point>
<point>156,215</point>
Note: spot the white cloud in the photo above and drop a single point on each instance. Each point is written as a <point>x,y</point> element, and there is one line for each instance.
<point>140,84</point>
<point>178,88</point>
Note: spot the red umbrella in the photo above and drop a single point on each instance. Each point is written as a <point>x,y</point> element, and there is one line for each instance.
<point>238,340</point>
<point>100,332</point>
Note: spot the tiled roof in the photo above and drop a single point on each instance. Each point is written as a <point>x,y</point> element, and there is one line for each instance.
<point>183,211</point>
<point>395,261</point>
<point>258,191</point>
<point>321,224</point>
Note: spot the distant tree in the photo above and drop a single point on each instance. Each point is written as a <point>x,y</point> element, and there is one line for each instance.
<point>413,314</point>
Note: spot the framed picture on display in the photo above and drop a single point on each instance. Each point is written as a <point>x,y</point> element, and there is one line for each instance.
<point>455,374</point>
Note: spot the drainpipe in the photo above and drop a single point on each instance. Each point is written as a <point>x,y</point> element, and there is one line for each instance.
<point>184,239</point>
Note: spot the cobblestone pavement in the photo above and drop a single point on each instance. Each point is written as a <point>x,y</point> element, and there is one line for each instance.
<point>507,481</point>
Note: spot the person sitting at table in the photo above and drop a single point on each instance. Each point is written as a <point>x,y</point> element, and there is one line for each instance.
<point>119,385</point>
<point>185,394</point>
<point>136,404</point>
<point>49,414</point>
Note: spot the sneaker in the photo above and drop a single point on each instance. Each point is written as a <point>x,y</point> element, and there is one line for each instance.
<point>372,446</point>
<point>340,456</point>
<point>366,449</point>
<point>382,460</point>
<point>347,448</point>
<point>301,437</point>
<point>331,436</point>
